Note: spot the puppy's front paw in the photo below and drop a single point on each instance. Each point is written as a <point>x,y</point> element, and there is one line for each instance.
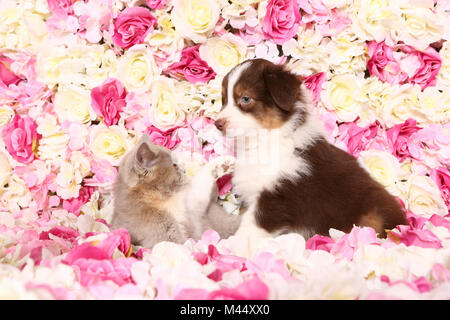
<point>222,165</point>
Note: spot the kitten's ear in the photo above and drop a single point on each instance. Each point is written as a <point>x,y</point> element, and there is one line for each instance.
<point>282,86</point>
<point>144,156</point>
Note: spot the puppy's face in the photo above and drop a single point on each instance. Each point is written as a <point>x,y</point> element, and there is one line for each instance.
<point>257,94</point>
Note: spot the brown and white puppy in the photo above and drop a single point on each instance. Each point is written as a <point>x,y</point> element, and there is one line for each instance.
<point>299,182</point>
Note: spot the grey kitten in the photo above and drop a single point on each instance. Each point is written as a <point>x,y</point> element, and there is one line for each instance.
<point>154,201</point>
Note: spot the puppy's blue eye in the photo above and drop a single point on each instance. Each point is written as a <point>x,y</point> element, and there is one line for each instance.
<point>246,99</point>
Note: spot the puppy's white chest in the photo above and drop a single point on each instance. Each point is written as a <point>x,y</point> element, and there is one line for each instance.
<point>250,179</point>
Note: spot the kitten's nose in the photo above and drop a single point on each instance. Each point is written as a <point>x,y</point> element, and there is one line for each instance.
<point>220,124</point>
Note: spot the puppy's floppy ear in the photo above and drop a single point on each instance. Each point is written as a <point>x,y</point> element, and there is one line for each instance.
<point>144,156</point>
<point>282,86</point>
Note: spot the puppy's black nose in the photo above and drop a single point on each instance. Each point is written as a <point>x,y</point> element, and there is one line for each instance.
<point>220,124</point>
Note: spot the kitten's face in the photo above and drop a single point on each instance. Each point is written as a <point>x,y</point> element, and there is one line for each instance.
<point>150,166</point>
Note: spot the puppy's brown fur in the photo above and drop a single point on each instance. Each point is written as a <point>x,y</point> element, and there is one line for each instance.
<point>337,194</point>
<point>155,203</point>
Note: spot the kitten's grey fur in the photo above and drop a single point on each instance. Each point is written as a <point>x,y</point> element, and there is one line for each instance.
<point>155,203</point>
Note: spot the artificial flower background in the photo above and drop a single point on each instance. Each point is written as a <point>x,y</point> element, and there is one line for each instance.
<point>80,81</point>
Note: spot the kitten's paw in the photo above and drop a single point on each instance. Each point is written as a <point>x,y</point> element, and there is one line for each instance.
<point>222,165</point>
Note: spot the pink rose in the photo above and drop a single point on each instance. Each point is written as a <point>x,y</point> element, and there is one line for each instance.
<point>91,270</point>
<point>7,77</point>
<point>104,173</point>
<point>314,83</point>
<point>60,6</point>
<point>428,68</point>
<point>156,4</point>
<point>414,237</point>
<point>382,63</point>
<point>166,139</point>
<point>74,204</point>
<point>132,26</point>
<point>192,67</point>
<point>403,64</point>
<point>252,289</point>
<point>62,232</point>
<point>282,20</point>
<point>108,100</point>
<point>21,138</point>
<point>441,176</point>
<point>400,142</point>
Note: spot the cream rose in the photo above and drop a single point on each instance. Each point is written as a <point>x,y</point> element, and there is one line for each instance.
<point>137,68</point>
<point>71,175</point>
<point>195,19</point>
<point>374,19</point>
<point>309,52</point>
<point>223,53</point>
<point>165,111</point>
<point>383,167</point>
<point>443,77</point>
<point>342,95</point>
<point>74,62</point>
<point>73,103</point>
<point>22,26</point>
<point>165,42</point>
<point>435,104</point>
<point>68,181</point>
<point>15,194</point>
<point>6,115</point>
<point>424,197</point>
<point>109,143</point>
<point>53,144</point>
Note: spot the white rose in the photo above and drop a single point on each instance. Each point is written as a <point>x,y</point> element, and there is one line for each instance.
<point>309,52</point>
<point>419,27</point>
<point>223,53</point>
<point>342,94</point>
<point>165,42</point>
<point>53,147</point>
<point>137,68</point>
<point>15,194</point>
<point>383,167</point>
<point>109,143</point>
<point>344,46</point>
<point>6,115</point>
<point>68,181</point>
<point>400,104</point>
<point>73,103</point>
<point>435,103</point>
<point>21,26</point>
<point>74,62</point>
<point>195,19</point>
<point>165,111</point>
<point>374,19</point>
<point>71,174</point>
<point>424,197</point>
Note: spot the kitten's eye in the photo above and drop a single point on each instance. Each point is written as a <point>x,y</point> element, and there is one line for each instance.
<point>246,100</point>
